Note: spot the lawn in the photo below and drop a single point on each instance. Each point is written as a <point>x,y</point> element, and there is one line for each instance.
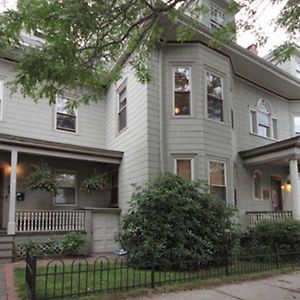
<point>59,281</point>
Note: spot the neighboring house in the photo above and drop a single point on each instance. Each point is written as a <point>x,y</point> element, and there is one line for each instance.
<point>226,116</point>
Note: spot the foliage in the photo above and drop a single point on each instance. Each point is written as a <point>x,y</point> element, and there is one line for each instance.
<point>172,219</point>
<point>43,178</point>
<point>95,183</point>
<point>72,243</point>
<point>284,233</point>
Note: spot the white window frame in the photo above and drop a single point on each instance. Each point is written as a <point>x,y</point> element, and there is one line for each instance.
<point>191,159</point>
<point>206,96</point>
<point>212,21</point>
<point>119,90</point>
<point>293,125</point>
<point>55,118</point>
<point>1,99</point>
<point>67,172</point>
<point>253,186</point>
<point>189,67</point>
<point>225,174</point>
<point>271,118</point>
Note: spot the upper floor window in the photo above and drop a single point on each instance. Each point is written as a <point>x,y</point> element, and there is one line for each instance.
<point>214,88</point>
<point>297,125</point>
<point>66,192</point>
<point>65,115</point>
<point>257,184</point>
<point>1,99</point>
<point>217,178</point>
<point>217,17</point>
<point>262,122</point>
<point>122,109</point>
<point>184,167</point>
<point>182,90</point>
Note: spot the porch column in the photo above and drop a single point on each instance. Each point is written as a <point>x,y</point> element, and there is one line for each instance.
<point>295,188</point>
<point>11,226</point>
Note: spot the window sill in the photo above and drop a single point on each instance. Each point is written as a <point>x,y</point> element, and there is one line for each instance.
<point>217,122</point>
<point>121,131</point>
<point>66,131</point>
<point>264,137</point>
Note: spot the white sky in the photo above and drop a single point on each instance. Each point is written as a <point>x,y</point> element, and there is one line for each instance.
<point>265,15</point>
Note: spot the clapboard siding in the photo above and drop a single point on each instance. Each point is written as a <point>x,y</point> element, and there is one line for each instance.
<point>23,117</point>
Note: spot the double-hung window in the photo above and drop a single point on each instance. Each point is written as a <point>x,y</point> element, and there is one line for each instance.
<point>66,192</point>
<point>262,122</point>
<point>122,109</point>
<point>1,99</point>
<point>217,178</point>
<point>297,125</point>
<point>215,105</point>
<point>182,91</point>
<point>257,185</point>
<point>217,17</point>
<point>184,167</point>
<point>66,117</point>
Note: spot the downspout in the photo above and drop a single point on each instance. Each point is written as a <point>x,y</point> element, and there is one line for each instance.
<point>161,127</point>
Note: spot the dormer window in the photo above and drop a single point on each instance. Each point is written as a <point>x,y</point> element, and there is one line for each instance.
<point>217,17</point>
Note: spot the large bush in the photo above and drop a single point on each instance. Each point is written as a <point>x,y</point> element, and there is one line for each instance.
<point>172,219</point>
<point>285,233</point>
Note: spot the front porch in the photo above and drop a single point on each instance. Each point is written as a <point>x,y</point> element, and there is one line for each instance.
<point>24,211</point>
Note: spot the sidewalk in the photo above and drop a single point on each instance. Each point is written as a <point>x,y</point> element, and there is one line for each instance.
<point>282,287</point>
<point>2,283</point>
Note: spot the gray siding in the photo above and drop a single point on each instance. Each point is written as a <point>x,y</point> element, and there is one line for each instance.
<point>23,117</point>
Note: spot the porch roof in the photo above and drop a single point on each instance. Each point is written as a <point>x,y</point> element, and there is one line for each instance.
<point>277,153</point>
<point>35,146</point>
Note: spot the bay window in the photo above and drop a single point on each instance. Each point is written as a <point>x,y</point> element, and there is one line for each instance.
<point>217,178</point>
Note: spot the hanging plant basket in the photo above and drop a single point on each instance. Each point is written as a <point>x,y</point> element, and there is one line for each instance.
<point>96,183</point>
<point>42,178</point>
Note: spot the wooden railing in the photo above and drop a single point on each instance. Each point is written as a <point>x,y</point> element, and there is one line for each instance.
<point>50,221</point>
<point>253,217</point>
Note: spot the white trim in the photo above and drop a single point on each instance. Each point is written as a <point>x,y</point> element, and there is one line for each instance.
<point>118,90</point>
<point>293,124</point>
<point>60,171</point>
<point>189,67</point>
<point>280,178</point>
<point>261,185</point>
<point>224,162</point>
<point>1,99</point>
<point>221,76</point>
<point>190,158</point>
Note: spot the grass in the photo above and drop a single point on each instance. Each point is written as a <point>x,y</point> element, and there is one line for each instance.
<point>125,282</point>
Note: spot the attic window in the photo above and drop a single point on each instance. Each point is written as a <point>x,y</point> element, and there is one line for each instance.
<point>217,17</point>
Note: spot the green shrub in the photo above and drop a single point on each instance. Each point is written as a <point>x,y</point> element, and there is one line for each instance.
<point>72,243</point>
<point>284,233</point>
<point>173,219</point>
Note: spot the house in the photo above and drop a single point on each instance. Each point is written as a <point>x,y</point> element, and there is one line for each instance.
<point>222,115</point>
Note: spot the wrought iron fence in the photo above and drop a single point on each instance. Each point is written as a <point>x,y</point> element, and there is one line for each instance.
<point>59,279</point>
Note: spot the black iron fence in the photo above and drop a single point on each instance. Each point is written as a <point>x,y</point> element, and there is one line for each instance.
<point>60,279</point>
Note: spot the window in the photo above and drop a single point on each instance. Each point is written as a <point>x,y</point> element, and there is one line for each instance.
<point>114,188</point>
<point>65,115</point>
<point>262,122</point>
<point>217,178</point>
<point>217,17</point>
<point>1,99</point>
<point>66,192</point>
<point>122,109</point>
<point>214,97</point>
<point>257,184</point>
<point>297,125</point>
<point>182,91</point>
<point>184,167</point>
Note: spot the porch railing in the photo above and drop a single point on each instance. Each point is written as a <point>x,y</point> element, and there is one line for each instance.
<point>254,217</point>
<point>50,221</point>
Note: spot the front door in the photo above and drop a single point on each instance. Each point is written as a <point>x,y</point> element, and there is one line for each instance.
<point>276,194</point>
<point>1,196</point>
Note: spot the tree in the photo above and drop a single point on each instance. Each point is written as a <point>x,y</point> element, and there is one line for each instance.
<point>173,220</point>
<point>83,40</point>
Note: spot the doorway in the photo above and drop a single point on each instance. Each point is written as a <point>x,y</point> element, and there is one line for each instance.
<point>1,196</point>
<point>276,193</point>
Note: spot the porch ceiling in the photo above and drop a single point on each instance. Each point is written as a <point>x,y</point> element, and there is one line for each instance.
<point>278,153</point>
<point>47,148</point>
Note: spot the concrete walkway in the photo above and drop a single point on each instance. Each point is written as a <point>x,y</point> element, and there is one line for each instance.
<point>2,283</point>
<point>283,287</point>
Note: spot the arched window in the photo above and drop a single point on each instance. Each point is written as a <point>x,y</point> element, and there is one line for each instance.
<point>262,122</point>
<point>257,184</point>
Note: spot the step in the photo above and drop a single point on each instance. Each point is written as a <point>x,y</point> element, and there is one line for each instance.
<point>6,253</point>
<point>6,260</point>
<point>6,246</point>
<point>6,239</point>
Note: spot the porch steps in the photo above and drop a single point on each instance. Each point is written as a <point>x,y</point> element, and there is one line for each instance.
<point>6,248</point>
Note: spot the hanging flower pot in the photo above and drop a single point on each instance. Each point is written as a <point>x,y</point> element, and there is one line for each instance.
<point>42,178</point>
<point>96,183</point>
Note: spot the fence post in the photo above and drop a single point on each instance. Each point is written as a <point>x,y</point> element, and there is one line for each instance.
<point>276,256</point>
<point>33,277</point>
<point>152,273</point>
<point>226,263</point>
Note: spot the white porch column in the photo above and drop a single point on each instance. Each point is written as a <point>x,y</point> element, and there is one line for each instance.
<point>295,188</point>
<point>11,226</point>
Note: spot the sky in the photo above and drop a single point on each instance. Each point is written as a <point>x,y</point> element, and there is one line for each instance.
<point>266,13</point>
